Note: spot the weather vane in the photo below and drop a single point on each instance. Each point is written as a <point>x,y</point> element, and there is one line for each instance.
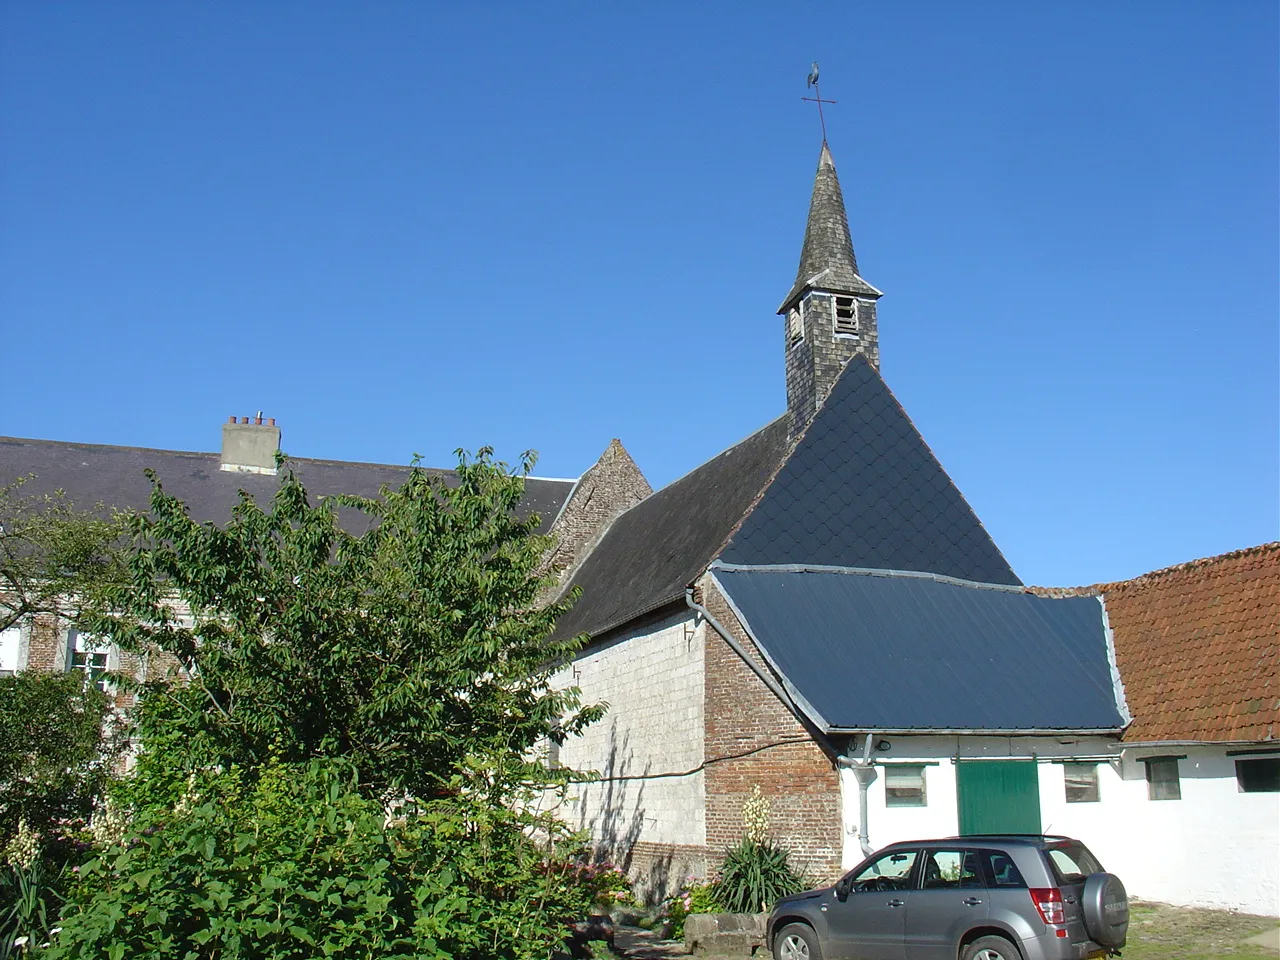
<point>812,81</point>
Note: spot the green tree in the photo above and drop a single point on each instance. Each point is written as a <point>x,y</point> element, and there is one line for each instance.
<point>415,647</point>
<point>348,764</point>
<point>52,552</point>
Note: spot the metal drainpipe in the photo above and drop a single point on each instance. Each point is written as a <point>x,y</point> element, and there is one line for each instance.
<point>866,775</point>
<point>774,687</point>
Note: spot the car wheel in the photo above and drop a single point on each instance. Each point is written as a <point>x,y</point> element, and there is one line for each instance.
<point>991,948</point>
<point>796,941</point>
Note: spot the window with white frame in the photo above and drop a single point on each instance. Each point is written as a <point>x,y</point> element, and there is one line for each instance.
<point>10,647</point>
<point>1082,782</point>
<point>904,785</point>
<point>1162,778</point>
<point>846,316</point>
<point>88,654</point>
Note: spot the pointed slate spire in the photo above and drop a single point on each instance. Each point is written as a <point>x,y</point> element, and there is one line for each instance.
<point>827,260</point>
<point>830,311</point>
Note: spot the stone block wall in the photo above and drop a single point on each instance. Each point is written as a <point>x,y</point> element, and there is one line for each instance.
<point>613,485</point>
<point>646,812</point>
<point>815,362</point>
<point>753,739</point>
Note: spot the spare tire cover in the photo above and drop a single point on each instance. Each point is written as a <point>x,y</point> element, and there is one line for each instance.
<point>1106,909</point>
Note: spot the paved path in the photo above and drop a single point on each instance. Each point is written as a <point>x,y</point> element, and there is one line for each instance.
<point>1270,940</point>
<point>641,944</point>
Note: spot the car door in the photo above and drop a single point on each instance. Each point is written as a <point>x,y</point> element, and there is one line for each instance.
<point>869,923</point>
<point>950,899</point>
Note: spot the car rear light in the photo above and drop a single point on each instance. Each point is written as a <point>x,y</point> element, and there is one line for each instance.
<point>1048,901</point>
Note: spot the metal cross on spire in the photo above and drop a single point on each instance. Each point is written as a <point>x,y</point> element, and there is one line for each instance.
<point>812,81</point>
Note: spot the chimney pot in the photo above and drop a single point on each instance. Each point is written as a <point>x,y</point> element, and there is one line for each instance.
<point>244,419</point>
<point>271,422</point>
<point>258,419</point>
<point>231,419</point>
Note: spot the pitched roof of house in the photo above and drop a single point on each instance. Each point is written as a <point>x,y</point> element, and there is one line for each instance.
<point>863,489</point>
<point>860,488</point>
<point>827,260</point>
<point>658,547</point>
<point>95,473</point>
<point>1198,646</point>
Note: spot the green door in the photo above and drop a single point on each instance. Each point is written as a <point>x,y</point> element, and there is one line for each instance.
<point>998,796</point>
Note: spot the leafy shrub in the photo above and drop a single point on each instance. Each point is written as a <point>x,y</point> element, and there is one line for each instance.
<point>55,756</point>
<point>300,864</point>
<point>694,897</point>
<point>606,884</point>
<point>29,903</point>
<point>755,874</point>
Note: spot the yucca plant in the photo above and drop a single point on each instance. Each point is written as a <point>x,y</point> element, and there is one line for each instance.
<point>754,875</point>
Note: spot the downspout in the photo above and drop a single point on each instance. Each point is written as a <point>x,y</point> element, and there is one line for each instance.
<point>774,687</point>
<point>865,772</point>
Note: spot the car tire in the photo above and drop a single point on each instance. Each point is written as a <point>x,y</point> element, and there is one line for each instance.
<point>796,941</point>
<point>991,948</point>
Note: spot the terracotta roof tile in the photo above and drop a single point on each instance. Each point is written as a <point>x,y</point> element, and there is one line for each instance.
<point>1198,647</point>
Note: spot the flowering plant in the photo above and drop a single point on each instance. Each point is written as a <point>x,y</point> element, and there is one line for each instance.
<point>694,896</point>
<point>608,884</point>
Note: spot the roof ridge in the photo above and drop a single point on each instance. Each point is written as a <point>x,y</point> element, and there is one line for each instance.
<point>217,455</point>
<point>568,583</point>
<point>1270,546</point>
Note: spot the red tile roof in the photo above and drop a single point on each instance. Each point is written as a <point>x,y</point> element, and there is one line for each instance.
<point>1198,647</point>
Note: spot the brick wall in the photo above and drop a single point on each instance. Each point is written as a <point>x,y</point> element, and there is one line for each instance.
<point>753,739</point>
<point>612,486</point>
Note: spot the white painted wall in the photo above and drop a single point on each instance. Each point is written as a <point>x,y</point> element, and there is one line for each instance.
<point>1216,847</point>
<point>652,679</point>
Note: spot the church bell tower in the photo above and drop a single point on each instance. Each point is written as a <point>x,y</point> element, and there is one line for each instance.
<point>830,313</point>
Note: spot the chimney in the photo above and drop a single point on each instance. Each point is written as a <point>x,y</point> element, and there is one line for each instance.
<point>250,446</point>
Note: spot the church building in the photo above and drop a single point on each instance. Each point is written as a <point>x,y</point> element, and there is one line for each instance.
<point>817,612</point>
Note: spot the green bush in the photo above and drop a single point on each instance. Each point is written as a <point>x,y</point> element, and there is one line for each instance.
<point>300,864</point>
<point>755,874</point>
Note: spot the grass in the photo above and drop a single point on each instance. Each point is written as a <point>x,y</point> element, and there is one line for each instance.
<point>1160,932</point>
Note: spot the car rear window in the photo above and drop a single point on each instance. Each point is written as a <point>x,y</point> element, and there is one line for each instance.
<point>1002,871</point>
<point>1071,862</point>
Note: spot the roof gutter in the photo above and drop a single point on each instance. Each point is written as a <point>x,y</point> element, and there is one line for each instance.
<point>774,687</point>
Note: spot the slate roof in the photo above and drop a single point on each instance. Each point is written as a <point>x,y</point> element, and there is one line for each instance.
<point>873,651</point>
<point>96,473</point>
<point>863,489</point>
<point>827,260</point>
<point>665,542</point>
<point>1198,646</point>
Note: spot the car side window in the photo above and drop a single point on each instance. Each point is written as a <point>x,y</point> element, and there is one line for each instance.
<point>950,870</point>
<point>892,871</point>
<point>1001,870</point>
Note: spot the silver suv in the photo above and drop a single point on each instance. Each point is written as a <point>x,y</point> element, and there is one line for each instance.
<point>962,898</point>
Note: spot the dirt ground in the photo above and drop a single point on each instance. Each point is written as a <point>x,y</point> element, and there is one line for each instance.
<point>1156,932</point>
<point>1160,932</point>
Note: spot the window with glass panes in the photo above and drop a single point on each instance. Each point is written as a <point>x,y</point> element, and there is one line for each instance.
<point>1082,782</point>
<point>904,786</point>
<point>87,654</point>
<point>1162,779</point>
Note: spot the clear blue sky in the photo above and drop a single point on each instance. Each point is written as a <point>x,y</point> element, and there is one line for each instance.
<point>408,227</point>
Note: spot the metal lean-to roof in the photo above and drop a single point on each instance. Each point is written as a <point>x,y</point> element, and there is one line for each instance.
<point>893,651</point>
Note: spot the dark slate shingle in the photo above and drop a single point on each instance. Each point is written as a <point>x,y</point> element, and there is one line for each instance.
<point>96,473</point>
<point>662,544</point>
<point>863,489</point>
